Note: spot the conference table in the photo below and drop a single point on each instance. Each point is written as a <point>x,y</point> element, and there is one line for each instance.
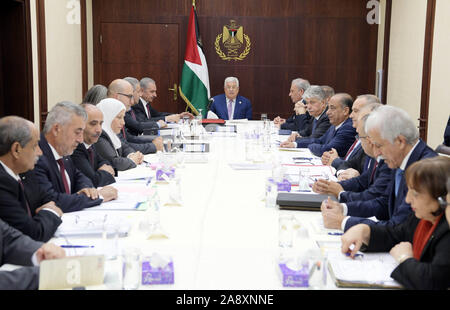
<point>222,236</point>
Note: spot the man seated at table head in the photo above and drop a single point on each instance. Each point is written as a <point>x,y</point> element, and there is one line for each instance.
<point>298,88</point>
<point>355,156</point>
<point>317,123</point>
<point>340,135</point>
<point>144,110</point>
<point>19,249</point>
<point>86,158</point>
<point>55,171</point>
<point>395,138</point>
<point>123,91</point>
<point>231,105</point>
<point>370,184</point>
<point>23,205</point>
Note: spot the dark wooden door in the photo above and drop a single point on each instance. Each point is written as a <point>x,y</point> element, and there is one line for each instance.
<point>142,50</point>
<point>16,76</point>
<point>328,42</point>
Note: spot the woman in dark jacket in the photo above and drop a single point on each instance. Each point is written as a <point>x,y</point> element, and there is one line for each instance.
<point>421,244</point>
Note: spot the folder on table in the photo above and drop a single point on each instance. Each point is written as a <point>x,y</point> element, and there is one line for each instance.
<point>301,201</point>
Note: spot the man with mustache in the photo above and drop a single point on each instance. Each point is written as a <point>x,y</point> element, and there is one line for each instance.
<point>85,158</point>
<point>19,152</point>
<point>55,171</point>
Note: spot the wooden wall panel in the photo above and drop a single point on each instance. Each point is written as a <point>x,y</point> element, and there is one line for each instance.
<point>325,41</point>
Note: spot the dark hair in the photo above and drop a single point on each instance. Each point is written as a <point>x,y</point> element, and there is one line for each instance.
<point>346,101</point>
<point>430,175</point>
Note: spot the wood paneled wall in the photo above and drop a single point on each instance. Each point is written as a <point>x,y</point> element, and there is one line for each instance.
<point>327,42</point>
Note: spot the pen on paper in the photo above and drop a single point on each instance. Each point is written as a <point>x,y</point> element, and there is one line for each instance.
<point>76,246</point>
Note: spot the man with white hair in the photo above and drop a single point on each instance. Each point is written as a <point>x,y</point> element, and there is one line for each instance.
<point>395,138</point>
<point>231,105</point>
<point>296,121</point>
<point>55,171</point>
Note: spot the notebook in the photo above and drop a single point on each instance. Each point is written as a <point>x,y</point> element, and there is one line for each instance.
<point>301,201</point>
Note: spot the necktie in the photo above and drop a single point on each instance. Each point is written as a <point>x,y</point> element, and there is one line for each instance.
<point>398,180</point>
<point>351,149</point>
<point>133,115</point>
<point>62,170</point>
<point>314,125</point>
<point>230,109</point>
<point>373,171</point>
<point>148,110</point>
<point>123,133</point>
<point>25,197</point>
<point>91,156</point>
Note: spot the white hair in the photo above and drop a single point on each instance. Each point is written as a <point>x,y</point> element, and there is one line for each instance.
<point>62,114</point>
<point>391,123</point>
<point>314,91</point>
<point>231,79</point>
<point>301,84</point>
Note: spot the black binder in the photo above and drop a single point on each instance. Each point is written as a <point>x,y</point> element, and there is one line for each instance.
<point>301,201</point>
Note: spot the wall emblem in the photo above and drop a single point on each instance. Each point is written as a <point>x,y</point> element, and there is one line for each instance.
<point>235,42</point>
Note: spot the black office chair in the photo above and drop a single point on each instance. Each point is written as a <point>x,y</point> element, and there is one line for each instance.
<point>443,149</point>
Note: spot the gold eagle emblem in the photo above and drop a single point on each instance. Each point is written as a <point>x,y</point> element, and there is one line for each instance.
<point>233,39</point>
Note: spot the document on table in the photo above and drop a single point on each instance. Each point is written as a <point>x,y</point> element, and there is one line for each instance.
<point>250,166</point>
<point>369,270</point>
<point>91,224</point>
<point>313,172</point>
<point>140,172</point>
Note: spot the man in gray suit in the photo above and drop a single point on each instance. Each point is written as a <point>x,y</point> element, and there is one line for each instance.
<point>18,249</point>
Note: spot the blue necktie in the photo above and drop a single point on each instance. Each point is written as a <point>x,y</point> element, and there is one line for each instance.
<point>314,124</point>
<point>398,180</point>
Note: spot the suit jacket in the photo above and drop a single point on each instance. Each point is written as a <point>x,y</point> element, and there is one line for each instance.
<point>366,187</point>
<point>46,173</point>
<point>17,249</point>
<point>105,148</point>
<point>317,130</point>
<point>432,270</point>
<point>340,139</point>
<point>14,211</point>
<point>136,127</point>
<point>141,145</point>
<point>356,160</point>
<point>242,109</point>
<point>82,161</point>
<point>388,209</point>
<point>141,116</point>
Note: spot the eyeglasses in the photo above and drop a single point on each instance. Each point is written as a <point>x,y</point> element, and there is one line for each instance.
<point>442,203</point>
<point>128,96</point>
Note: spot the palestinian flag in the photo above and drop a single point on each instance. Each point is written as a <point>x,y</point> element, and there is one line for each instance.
<point>194,85</point>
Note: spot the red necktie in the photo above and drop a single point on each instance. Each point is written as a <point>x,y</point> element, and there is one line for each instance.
<point>351,149</point>
<point>123,132</point>
<point>91,156</point>
<point>62,170</point>
<point>373,171</point>
<point>25,197</point>
<point>133,115</point>
<point>148,110</point>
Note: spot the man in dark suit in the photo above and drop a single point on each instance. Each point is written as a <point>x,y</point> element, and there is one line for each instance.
<point>19,152</point>
<point>370,184</point>
<point>231,105</point>
<point>395,137</point>
<point>340,135</point>
<point>21,250</point>
<point>315,122</point>
<point>355,156</point>
<point>294,123</point>
<point>144,110</point>
<point>86,158</point>
<point>55,171</point>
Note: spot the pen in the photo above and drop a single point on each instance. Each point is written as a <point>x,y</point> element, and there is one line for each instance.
<point>335,233</point>
<point>76,246</point>
<point>356,255</point>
